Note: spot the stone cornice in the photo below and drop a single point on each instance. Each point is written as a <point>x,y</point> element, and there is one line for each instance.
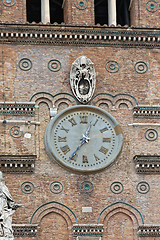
<point>79,35</point>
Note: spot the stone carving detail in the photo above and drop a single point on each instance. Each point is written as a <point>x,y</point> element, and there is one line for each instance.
<point>148,164</point>
<point>83,79</point>
<point>7,208</point>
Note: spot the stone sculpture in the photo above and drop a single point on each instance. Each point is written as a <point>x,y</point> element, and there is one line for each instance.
<point>7,208</point>
<point>83,79</point>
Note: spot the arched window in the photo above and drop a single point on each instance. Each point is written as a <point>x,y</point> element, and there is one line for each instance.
<point>112,12</point>
<point>45,11</point>
<point>33,11</point>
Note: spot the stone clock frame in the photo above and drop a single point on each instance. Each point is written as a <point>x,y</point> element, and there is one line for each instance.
<point>84,139</point>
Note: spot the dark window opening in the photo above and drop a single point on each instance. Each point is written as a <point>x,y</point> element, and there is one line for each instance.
<point>33,11</point>
<point>101,11</point>
<point>56,11</point>
<point>123,17</point>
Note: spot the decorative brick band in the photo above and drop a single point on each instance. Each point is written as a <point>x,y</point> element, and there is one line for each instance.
<point>12,108</point>
<point>146,111</point>
<point>17,163</point>
<point>149,164</point>
<point>67,35</point>
<point>88,230</point>
<point>149,231</point>
<point>25,230</point>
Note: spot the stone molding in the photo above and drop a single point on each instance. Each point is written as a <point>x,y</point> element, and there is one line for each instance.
<point>79,35</point>
<point>149,231</point>
<point>114,102</point>
<point>25,230</point>
<point>17,163</point>
<point>147,164</point>
<point>17,108</point>
<point>146,111</point>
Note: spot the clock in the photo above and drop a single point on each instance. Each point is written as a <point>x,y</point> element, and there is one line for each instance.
<point>85,139</point>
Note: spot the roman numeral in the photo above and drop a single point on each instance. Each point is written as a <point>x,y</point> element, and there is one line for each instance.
<point>84,119</point>
<point>107,140</point>
<point>74,158</point>
<point>95,122</point>
<point>72,121</point>
<point>65,149</point>
<point>104,130</point>
<point>97,159</point>
<point>85,159</point>
<point>103,150</point>
<point>64,129</point>
<point>62,139</point>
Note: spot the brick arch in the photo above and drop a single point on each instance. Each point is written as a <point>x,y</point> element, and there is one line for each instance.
<point>115,213</point>
<point>121,206</point>
<point>56,207</point>
<point>57,100</point>
<point>50,210</point>
<point>114,101</point>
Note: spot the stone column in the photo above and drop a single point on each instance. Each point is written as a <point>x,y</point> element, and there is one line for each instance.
<point>112,16</point>
<point>45,11</point>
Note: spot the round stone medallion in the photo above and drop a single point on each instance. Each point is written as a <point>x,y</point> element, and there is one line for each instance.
<point>152,6</point>
<point>86,187</point>
<point>15,132</point>
<point>143,187</point>
<point>81,4</point>
<point>112,66</point>
<point>25,64</point>
<point>54,65</point>
<point>116,187</point>
<point>151,135</point>
<point>8,3</point>
<point>27,187</point>
<point>141,67</point>
<point>56,187</point>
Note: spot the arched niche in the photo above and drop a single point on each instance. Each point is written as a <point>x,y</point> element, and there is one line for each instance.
<point>120,221</point>
<point>55,221</point>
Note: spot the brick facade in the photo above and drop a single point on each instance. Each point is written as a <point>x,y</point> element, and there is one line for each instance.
<point>35,64</point>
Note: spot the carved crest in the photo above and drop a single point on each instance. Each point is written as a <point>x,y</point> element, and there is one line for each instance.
<point>83,79</point>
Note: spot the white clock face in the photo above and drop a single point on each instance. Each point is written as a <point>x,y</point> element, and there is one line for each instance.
<point>84,139</point>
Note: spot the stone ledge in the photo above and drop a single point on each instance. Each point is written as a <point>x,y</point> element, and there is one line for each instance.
<point>87,230</point>
<point>146,111</point>
<point>149,231</point>
<point>25,230</point>
<point>17,108</point>
<point>79,35</point>
<point>17,163</point>
<point>147,164</point>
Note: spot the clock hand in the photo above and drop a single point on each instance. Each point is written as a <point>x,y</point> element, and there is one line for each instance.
<point>87,131</point>
<point>84,139</point>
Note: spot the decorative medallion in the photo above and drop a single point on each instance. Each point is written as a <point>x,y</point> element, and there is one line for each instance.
<point>8,3</point>
<point>112,66</point>
<point>116,187</point>
<point>84,139</point>
<point>152,6</point>
<point>83,79</point>
<point>27,187</point>
<point>15,132</point>
<point>151,135</point>
<point>54,65</point>
<point>56,187</point>
<point>81,4</point>
<point>25,64</point>
<point>141,67</point>
<point>143,187</point>
<point>86,187</point>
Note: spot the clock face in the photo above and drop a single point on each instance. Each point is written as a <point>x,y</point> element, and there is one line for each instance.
<point>85,139</point>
